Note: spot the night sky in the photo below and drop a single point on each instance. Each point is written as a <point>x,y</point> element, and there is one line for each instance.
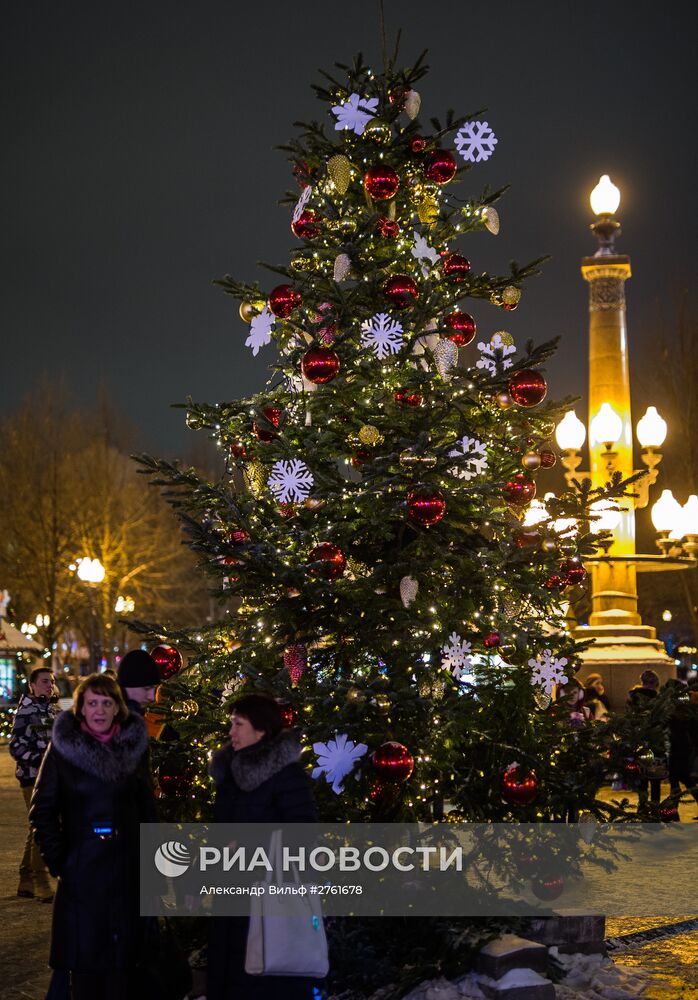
<point>138,164</point>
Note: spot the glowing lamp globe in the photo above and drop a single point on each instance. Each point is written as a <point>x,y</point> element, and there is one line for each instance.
<point>607,518</point>
<point>690,515</point>
<point>666,512</point>
<point>606,427</point>
<point>651,429</point>
<point>605,198</point>
<point>570,432</point>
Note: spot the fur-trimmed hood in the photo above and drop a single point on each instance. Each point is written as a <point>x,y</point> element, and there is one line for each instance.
<point>110,761</point>
<point>254,765</point>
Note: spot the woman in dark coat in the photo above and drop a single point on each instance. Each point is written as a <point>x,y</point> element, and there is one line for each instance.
<point>91,793</point>
<point>259,779</point>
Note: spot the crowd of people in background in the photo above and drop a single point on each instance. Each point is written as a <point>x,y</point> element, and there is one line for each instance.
<point>85,777</point>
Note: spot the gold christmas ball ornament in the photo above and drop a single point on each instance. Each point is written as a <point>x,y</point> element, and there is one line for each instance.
<point>428,211</point>
<point>355,695</point>
<point>379,132</point>
<point>503,400</point>
<point>411,460</point>
<point>531,461</point>
<point>339,169</point>
<point>382,703</point>
<point>194,422</point>
<point>370,435</point>
<point>248,310</point>
<point>511,295</point>
<point>491,217</point>
<point>549,545</point>
<point>304,263</point>
<point>254,475</point>
<point>505,337</point>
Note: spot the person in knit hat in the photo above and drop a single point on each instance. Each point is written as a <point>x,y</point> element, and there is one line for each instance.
<point>138,676</point>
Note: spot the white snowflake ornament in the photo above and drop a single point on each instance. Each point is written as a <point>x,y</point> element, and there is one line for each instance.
<point>475,142</point>
<point>382,334</point>
<point>422,251</point>
<point>336,759</point>
<point>472,458</point>
<point>291,481</point>
<point>489,361</point>
<point>355,113</point>
<point>260,331</point>
<point>301,203</point>
<point>548,670</point>
<point>456,656</point>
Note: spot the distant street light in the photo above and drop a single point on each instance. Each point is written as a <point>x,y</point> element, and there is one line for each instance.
<point>92,574</point>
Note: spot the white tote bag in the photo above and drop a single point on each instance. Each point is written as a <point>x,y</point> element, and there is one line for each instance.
<point>286,936</point>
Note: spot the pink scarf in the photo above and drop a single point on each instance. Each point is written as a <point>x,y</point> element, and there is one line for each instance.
<point>101,737</point>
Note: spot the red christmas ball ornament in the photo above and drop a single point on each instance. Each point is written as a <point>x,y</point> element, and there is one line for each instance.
<point>301,172</point>
<point>397,95</point>
<point>381,182</point>
<point>174,778</point>
<point>456,267</point>
<point>519,491</point>
<point>238,450</point>
<point>417,144</point>
<point>331,558</point>
<point>548,459</point>
<point>461,328</point>
<point>440,166</point>
<point>361,456</point>
<point>238,536</point>
<point>525,539</point>
<point>491,640</point>
<point>528,387</point>
<point>283,300</point>
<point>519,787</point>
<point>388,227</point>
<point>287,511</point>
<point>273,415</point>
<point>408,398</point>
<point>288,714</point>
<point>426,507</point>
<point>573,572</point>
<point>306,225</point>
<point>320,364</point>
<point>554,582</point>
<point>393,762</point>
<point>669,814</point>
<point>168,660</point>
<point>631,768</point>
<point>402,290</point>
<point>547,889</point>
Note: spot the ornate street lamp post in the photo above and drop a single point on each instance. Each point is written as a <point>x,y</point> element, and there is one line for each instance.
<point>623,646</point>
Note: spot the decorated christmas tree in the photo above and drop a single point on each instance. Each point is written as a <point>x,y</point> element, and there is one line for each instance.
<point>381,563</point>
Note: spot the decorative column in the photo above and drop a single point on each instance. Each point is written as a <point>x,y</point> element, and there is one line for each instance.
<point>614,600</point>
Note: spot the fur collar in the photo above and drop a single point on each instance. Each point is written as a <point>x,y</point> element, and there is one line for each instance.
<point>111,761</point>
<point>254,765</point>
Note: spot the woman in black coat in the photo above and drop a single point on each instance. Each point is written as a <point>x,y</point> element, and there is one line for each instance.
<point>259,779</point>
<point>91,793</point>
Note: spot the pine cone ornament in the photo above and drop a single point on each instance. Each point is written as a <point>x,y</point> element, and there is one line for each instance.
<point>409,588</point>
<point>255,478</point>
<point>446,356</point>
<point>296,661</point>
<point>342,267</point>
<point>339,169</point>
<point>413,103</point>
<point>491,217</point>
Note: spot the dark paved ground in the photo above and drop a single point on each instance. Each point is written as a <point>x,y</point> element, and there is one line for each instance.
<point>25,924</point>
